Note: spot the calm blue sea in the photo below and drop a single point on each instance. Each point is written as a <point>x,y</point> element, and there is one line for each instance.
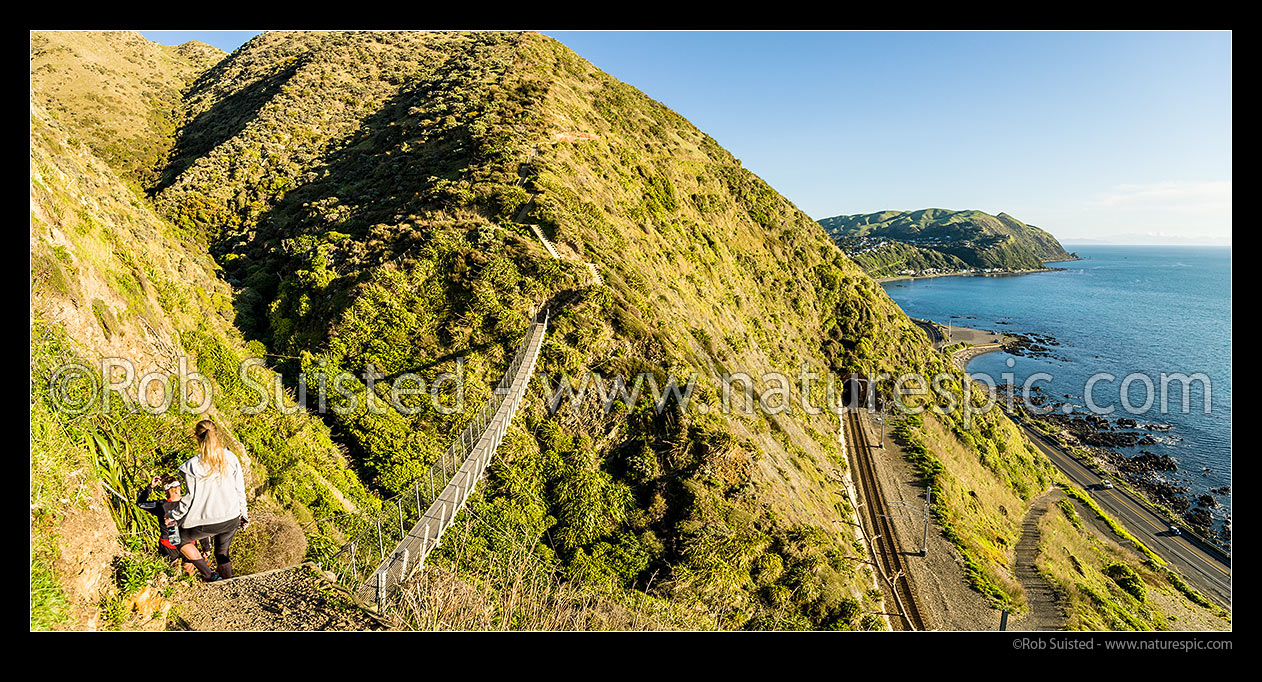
<point>1123,309</point>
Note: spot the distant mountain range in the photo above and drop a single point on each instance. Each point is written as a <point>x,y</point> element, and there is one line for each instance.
<point>939,241</point>
<point>1148,239</point>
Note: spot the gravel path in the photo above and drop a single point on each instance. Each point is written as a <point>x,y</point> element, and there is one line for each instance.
<point>1045,612</point>
<point>297,598</point>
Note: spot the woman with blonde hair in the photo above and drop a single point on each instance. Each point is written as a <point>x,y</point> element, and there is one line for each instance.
<point>215,506</point>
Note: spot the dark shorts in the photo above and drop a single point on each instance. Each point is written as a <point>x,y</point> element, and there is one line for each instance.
<point>168,551</point>
<point>222,532</point>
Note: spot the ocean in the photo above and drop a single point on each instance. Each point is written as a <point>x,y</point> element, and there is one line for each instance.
<point>1120,310</point>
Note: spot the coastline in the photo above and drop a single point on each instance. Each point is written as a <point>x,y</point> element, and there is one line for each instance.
<point>967,354</point>
<point>1007,273</point>
<point>1186,472</point>
<point>1013,273</point>
<point>961,358</point>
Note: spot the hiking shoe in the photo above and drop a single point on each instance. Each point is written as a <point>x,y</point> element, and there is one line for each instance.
<point>213,577</point>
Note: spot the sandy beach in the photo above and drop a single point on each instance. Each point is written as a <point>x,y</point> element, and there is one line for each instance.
<point>963,356</point>
<point>978,341</point>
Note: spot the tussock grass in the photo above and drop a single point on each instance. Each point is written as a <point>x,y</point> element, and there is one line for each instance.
<point>978,513</point>
<point>519,593</point>
<point>119,92</point>
<point>151,292</point>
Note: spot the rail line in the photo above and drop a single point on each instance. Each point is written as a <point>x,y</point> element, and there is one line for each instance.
<point>884,541</point>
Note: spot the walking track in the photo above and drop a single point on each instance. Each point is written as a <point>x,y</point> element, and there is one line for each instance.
<point>1045,612</point>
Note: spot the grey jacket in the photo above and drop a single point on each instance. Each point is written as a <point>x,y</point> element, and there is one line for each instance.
<point>211,499</point>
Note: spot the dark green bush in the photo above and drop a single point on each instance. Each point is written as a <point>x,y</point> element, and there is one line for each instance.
<point>1127,579</point>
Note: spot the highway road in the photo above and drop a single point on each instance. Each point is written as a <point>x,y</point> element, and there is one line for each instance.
<point>1202,567</point>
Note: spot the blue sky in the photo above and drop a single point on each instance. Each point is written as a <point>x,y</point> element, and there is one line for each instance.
<point>224,40</point>
<point>1112,136</point>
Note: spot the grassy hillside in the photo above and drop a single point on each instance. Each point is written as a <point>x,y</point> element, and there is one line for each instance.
<point>357,192</point>
<point>887,258</point>
<point>1107,584</point>
<point>397,223</point>
<point>367,220</point>
<point>117,92</point>
<point>889,243</point>
<point>109,279</point>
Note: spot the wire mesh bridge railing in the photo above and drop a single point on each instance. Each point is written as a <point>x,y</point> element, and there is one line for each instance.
<point>388,546</point>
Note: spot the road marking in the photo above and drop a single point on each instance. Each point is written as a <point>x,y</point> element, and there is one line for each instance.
<point>1055,454</point>
<point>1144,516</point>
<point>1209,559</point>
<point>1197,552</point>
<point>1198,556</point>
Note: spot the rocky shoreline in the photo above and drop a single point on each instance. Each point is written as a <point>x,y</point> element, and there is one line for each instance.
<point>1147,472</point>
<point>1031,344</point>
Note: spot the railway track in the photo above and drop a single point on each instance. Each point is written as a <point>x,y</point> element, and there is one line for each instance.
<point>932,331</point>
<point>881,529</point>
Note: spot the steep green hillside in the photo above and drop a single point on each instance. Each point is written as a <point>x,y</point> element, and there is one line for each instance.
<point>117,92</point>
<point>935,240</point>
<point>109,279</point>
<point>358,193</point>
<point>888,258</point>
<point>368,220</point>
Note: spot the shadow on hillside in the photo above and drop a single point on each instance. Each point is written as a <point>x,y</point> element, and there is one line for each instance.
<point>378,186</point>
<point>370,180</point>
<point>375,177</point>
<point>223,121</point>
<point>435,362</point>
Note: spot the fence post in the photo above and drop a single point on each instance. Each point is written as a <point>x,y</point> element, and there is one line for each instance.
<point>381,592</point>
<point>403,569</point>
<point>381,543</point>
<point>424,546</point>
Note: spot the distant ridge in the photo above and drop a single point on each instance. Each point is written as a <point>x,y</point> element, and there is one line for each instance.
<point>939,241</point>
<point>120,93</point>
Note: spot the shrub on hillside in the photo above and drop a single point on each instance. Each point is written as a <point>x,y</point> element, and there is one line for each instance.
<point>269,542</point>
<point>1127,579</point>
